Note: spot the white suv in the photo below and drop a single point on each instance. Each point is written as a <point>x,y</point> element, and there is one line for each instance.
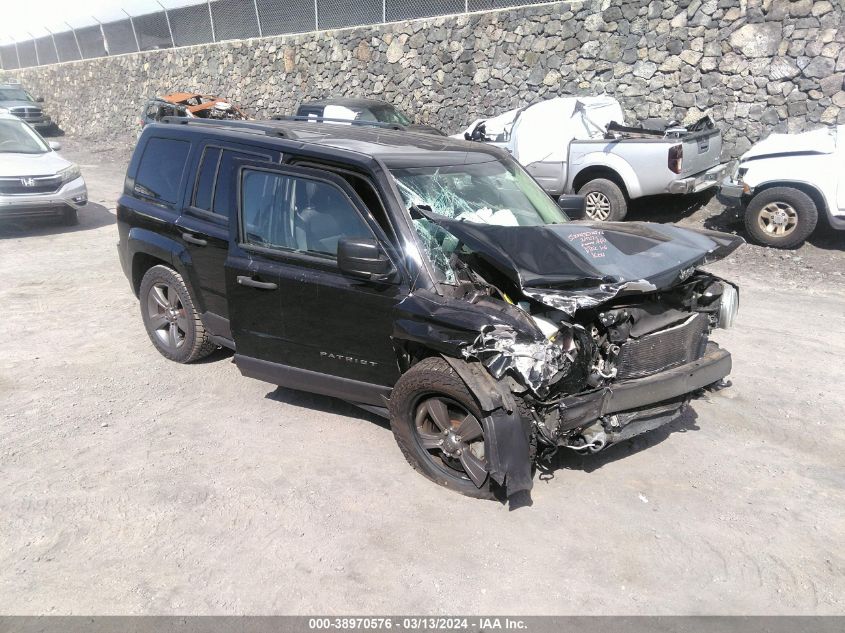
<point>34,179</point>
<point>784,182</point>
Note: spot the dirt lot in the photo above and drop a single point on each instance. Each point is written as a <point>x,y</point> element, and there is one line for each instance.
<point>130,484</point>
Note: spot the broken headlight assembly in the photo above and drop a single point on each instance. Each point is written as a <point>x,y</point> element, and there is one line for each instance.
<point>729,306</point>
<point>727,297</point>
<point>69,173</point>
<point>737,177</point>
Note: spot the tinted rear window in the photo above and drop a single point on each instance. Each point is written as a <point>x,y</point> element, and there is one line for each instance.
<point>160,171</point>
<point>226,178</point>
<point>205,178</point>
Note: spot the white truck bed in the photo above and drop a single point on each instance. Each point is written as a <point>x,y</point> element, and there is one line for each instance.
<point>564,144</point>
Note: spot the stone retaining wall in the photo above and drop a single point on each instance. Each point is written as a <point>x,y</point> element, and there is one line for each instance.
<point>756,65</point>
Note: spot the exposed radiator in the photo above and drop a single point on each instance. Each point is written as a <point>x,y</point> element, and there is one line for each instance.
<point>665,349</point>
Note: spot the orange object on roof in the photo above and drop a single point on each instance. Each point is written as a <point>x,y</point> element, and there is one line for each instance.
<point>206,106</point>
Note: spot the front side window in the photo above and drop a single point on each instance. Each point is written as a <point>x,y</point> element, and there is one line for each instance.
<point>160,171</point>
<point>295,213</point>
<point>378,113</point>
<point>17,137</point>
<point>495,192</point>
<point>389,114</point>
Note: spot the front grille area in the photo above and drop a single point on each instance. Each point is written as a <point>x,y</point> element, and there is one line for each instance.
<point>663,350</point>
<point>27,114</point>
<point>30,184</point>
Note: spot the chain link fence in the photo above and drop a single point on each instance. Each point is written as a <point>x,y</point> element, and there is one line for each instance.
<point>220,20</point>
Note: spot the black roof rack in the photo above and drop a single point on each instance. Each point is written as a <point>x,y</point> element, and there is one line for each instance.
<point>322,119</point>
<point>256,126</point>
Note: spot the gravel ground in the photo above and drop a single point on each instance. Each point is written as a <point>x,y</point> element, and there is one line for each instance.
<point>130,484</point>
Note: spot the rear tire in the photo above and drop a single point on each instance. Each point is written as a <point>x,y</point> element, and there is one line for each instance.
<point>604,200</point>
<point>430,381</point>
<point>781,217</point>
<point>171,320</point>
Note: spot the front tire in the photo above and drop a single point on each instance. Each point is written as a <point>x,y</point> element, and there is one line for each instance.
<point>437,425</point>
<point>171,320</point>
<point>781,217</point>
<point>604,201</point>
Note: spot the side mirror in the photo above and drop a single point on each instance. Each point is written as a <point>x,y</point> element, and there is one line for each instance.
<point>575,207</point>
<point>363,258</point>
<point>39,100</point>
<point>55,146</point>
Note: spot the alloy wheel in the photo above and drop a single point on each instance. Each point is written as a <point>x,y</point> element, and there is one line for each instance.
<point>167,315</point>
<point>597,206</point>
<point>778,219</point>
<point>452,437</point>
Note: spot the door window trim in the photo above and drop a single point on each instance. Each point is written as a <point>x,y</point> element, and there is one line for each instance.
<point>207,214</point>
<point>313,260</point>
<point>339,170</point>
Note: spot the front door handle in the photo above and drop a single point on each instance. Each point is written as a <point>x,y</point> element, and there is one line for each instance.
<point>254,283</point>
<point>190,239</point>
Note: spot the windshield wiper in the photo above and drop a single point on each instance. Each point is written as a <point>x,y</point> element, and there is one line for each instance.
<point>420,211</point>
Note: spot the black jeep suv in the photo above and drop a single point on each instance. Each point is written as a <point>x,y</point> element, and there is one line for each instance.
<point>423,278</point>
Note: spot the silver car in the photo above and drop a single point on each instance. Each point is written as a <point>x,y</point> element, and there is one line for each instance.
<point>34,179</point>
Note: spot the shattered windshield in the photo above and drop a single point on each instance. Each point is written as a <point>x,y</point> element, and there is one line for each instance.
<point>487,193</point>
<point>494,192</point>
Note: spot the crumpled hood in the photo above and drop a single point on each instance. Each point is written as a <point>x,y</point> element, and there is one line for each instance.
<point>821,141</point>
<point>599,260</point>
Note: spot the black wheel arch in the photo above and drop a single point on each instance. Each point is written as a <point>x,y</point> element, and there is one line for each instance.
<point>148,249</point>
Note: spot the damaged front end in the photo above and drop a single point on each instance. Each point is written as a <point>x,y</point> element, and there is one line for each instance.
<point>586,334</point>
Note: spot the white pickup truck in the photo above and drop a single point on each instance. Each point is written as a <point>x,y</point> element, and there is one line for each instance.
<point>785,181</point>
<point>581,145</point>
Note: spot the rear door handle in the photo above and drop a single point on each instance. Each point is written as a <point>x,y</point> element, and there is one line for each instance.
<point>254,283</point>
<point>190,239</point>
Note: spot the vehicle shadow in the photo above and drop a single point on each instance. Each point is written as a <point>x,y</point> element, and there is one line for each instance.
<point>54,132</point>
<point>727,218</point>
<point>826,237</point>
<point>667,207</point>
<point>564,459</point>
<point>568,459</point>
<point>91,216</point>
<point>325,404</point>
<point>221,353</point>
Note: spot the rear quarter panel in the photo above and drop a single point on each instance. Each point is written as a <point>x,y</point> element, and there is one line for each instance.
<point>638,162</point>
<point>643,164</point>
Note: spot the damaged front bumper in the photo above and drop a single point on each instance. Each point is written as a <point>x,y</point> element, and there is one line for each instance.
<point>732,193</point>
<point>583,409</point>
